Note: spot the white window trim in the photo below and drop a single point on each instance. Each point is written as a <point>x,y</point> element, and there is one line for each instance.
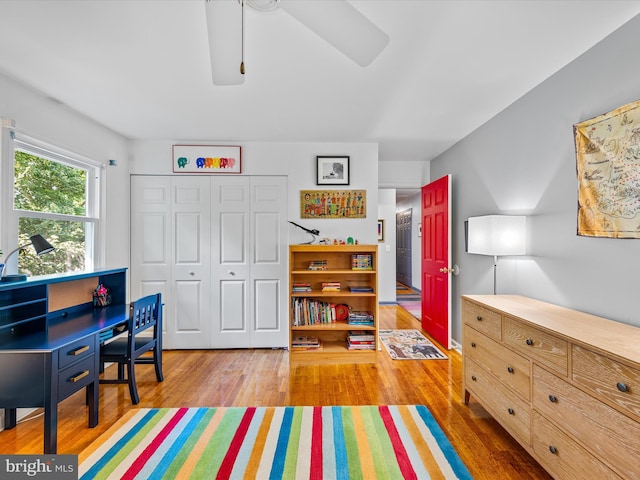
<point>11,140</point>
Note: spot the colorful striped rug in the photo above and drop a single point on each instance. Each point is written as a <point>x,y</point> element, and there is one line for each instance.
<point>357,442</point>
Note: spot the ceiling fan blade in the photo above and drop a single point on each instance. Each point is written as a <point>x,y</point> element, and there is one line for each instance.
<point>340,24</point>
<point>224,26</point>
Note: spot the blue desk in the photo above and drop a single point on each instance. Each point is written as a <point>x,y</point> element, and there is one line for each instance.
<point>48,355</point>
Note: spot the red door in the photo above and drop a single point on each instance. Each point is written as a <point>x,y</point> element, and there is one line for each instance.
<point>436,301</point>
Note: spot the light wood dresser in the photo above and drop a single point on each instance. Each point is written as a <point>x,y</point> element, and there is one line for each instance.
<point>564,384</point>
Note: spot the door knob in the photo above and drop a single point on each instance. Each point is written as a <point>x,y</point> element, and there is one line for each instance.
<point>455,270</point>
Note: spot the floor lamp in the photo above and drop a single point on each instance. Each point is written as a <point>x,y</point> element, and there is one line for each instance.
<point>497,235</point>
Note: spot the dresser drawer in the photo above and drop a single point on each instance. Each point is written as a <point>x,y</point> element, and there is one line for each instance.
<point>537,344</point>
<point>510,410</point>
<point>600,428</point>
<point>509,367</point>
<point>607,378</point>
<point>562,457</point>
<point>75,377</point>
<point>75,351</point>
<point>482,319</point>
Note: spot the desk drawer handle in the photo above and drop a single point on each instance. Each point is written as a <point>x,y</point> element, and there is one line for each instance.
<point>510,369</point>
<point>479,318</point>
<point>79,376</point>
<point>473,377</point>
<point>473,344</point>
<point>622,387</point>
<point>529,342</point>
<point>553,399</point>
<point>553,449</point>
<point>511,411</point>
<point>78,350</point>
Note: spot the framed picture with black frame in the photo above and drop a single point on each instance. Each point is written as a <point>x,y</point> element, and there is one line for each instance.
<point>332,170</point>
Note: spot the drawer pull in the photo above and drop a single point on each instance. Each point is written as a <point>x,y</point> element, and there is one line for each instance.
<point>529,342</point>
<point>553,449</point>
<point>78,350</point>
<point>473,377</point>
<point>473,344</point>
<point>553,399</point>
<point>79,376</point>
<point>511,412</point>
<point>510,369</point>
<point>622,387</point>
<point>479,318</point>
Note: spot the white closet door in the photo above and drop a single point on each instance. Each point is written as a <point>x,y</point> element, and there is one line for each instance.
<point>191,274</point>
<point>170,237</point>
<point>249,264</point>
<point>269,256</point>
<point>151,258</point>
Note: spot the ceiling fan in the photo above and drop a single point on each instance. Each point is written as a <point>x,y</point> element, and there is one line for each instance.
<point>336,21</point>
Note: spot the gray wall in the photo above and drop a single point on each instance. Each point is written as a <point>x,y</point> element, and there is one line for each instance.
<point>523,162</point>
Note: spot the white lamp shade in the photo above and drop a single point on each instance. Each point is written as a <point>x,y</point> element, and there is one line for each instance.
<point>497,235</point>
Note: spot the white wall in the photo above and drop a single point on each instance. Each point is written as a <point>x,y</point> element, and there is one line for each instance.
<point>44,119</point>
<point>523,162</point>
<point>387,248</point>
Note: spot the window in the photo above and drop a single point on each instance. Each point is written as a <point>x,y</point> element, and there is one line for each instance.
<point>55,195</point>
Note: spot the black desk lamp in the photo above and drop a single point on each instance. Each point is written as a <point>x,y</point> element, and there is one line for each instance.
<point>313,232</point>
<point>40,245</point>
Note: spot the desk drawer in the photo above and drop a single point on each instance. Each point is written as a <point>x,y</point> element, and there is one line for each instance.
<point>607,378</point>
<point>76,377</point>
<point>75,351</point>
<point>482,319</point>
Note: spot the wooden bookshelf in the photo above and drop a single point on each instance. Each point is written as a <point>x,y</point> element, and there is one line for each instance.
<point>313,313</point>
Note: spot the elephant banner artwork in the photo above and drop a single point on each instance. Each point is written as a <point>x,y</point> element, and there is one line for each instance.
<point>207,159</point>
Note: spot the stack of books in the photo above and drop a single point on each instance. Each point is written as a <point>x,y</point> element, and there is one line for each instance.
<point>360,318</point>
<point>317,265</point>
<point>301,287</point>
<point>360,340</point>
<point>306,343</point>
<point>361,261</point>
<point>330,286</point>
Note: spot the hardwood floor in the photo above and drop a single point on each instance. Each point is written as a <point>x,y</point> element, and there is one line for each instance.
<point>265,378</point>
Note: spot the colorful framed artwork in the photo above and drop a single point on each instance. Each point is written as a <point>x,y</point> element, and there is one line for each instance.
<point>332,170</point>
<point>333,203</point>
<point>381,230</point>
<point>207,159</point>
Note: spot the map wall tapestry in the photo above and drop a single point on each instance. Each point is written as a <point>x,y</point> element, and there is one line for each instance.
<point>333,203</point>
<point>608,165</point>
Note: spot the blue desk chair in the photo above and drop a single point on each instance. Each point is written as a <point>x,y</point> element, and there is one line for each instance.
<point>145,318</point>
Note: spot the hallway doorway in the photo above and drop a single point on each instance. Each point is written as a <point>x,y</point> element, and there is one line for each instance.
<point>403,247</point>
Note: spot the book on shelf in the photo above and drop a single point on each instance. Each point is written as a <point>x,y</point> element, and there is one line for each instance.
<point>330,286</point>
<point>306,343</point>
<point>361,336</point>
<point>308,311</point>
<point>360,318</point>
<point>317,265</point>
<point>362,261</point>
<point>301,287</point>
<point>351,345</point>
<point>360,288</point>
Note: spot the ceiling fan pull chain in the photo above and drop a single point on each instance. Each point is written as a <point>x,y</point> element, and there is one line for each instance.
<point>242,59</point>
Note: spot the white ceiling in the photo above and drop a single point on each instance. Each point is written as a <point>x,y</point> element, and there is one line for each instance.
<point>141,68</point>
